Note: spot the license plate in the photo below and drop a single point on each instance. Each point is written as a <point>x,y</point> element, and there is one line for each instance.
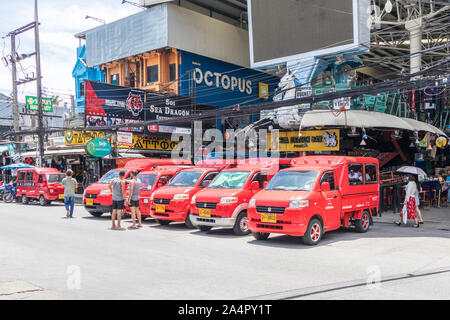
<point>61,196</point>
<point>89,202</point>
<point>206,213</point>
<point>269,217</point>
<point>160,208</point>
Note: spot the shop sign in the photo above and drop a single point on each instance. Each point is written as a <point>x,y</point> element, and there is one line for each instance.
<point>32,104</point>
<point>263,89</point>
<point>77,138</point>
<point>151,143</point>
<point>441,142</point>
<point>98,148</point>
<point>125,139</point>
<point>317,140</point>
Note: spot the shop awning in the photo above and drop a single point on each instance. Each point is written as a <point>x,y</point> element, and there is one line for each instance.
<point>364,119</point>
<point>65,152</point>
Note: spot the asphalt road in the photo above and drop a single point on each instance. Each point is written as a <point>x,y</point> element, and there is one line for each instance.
<point>43,255</point>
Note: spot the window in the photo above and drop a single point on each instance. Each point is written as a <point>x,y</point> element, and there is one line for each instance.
<point>207,179</point>
<point>164,180</point>
<point>82,88</point>
<point>186,179</point>
<point>132,80</point>
<point>41,178</point>
<point>115,79</point>
<point>21,176</point>
<point>261,177</point>
<point>371,173</point>
<point>328,177</point>
<point>355,173</point>
<point>29,177</point>
<point>172,72</point>
<point>152,74</point>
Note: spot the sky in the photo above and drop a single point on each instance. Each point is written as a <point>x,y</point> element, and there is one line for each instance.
<point>59,21</point>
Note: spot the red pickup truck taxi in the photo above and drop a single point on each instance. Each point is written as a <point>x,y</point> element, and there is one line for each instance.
<point>151,181</point>
<point>223,203</point>
<point>172,202</point>
<point>317,194</point>
<point>42,184</point>
<point>97,197</point>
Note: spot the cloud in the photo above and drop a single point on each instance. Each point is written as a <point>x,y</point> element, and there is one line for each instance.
<point>59,20</point>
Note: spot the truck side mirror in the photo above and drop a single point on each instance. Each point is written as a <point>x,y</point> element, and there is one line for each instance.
<point>325,186</point>
<point>255,185</point>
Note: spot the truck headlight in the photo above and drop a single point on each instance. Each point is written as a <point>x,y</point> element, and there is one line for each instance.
<point>51,190</point>
<point>181,196</point>
<point>145,200</point>
<point>252,202</point>
<point>229,200</point>
<point>151,197</point>
<point>105,192</point>
<point>298,203</point>
<point>193,200</point>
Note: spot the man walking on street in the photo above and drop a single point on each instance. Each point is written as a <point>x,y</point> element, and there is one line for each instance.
<point>69,184</point>
<point>117,187</point>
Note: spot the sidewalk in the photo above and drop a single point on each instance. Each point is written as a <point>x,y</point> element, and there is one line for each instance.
<point>438,218</point>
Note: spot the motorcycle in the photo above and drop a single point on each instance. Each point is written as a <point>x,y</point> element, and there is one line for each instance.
<point>9,194</point>
<point>2,191</point>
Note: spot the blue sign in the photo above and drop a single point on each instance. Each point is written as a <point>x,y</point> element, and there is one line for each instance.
<point>221,84</point>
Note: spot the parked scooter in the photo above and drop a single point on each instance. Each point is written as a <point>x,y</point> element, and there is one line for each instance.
<point>9,194</point>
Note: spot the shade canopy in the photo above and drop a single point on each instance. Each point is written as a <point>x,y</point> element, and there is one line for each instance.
<point>365,119</point>
<point>15,166</point>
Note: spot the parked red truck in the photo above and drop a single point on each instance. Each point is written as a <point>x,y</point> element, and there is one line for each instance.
<point>42,184</point>
<point>224,202</point>
<point>151,181</point>
<point>172,202</point>
<point>317,194</point>
<point>97,197</point>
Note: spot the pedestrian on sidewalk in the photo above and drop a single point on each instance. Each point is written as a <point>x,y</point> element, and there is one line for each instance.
<point>117,187</point>
<point>70,185</point>
<point>412,203</point>
<point>133,199</point>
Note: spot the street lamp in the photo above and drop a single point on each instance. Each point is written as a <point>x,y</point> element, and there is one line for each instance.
<point>96,19</point>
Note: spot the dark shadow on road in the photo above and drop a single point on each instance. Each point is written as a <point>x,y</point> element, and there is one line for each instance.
<point>221,233</point>
<point>174,226</point>
<point>378,231</point>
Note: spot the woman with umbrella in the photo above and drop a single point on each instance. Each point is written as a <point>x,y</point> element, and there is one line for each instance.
<point>412,203</point>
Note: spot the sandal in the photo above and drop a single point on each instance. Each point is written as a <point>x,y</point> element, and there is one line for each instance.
<point>416,225</point>
<point>398,223</point>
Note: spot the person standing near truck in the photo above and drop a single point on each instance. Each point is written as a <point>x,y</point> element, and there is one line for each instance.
<point>70,185</point>
<point>133,199</point>
<point>117,187</point>
<point>411,202</point>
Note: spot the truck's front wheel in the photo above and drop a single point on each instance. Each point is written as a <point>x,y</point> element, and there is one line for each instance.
<point>261,235</point>
<point>362,225</point>
<point>188,222</point>
<point>313,233</point>
<point>240,227</point>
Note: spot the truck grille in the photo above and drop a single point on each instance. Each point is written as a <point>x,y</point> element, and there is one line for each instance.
<point>91,196</point>
<point>265,209</point>
<point>161,201</point>
<point>208,205</point>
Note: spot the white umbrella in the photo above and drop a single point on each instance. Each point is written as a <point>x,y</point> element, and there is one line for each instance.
<point>412,170</point>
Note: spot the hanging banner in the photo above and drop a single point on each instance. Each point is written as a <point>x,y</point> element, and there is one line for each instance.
<point>317,140</point>
<point>151,143</point>
<point>125,139</point>
<point>98,148</point>
<point>80,138</point>
<point>108,105</point>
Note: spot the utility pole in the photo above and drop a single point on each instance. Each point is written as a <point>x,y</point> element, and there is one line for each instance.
<point>14,87</point>
<point>38,85</point>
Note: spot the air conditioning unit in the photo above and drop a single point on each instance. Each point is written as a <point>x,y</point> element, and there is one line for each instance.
<point>149,3</point>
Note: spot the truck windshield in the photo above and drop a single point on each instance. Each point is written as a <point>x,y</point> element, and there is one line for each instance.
<point>185,179</point>
<point>147,180</point>
<point>54,178</point>
<point>293,181</point>
<point>229,180</point>
<point>106,179</point>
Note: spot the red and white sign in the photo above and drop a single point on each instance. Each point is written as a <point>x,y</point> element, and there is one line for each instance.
<point>125,139</point>
<point>153,128</point>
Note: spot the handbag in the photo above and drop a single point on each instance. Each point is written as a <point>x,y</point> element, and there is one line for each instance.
<point>405,214</point>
